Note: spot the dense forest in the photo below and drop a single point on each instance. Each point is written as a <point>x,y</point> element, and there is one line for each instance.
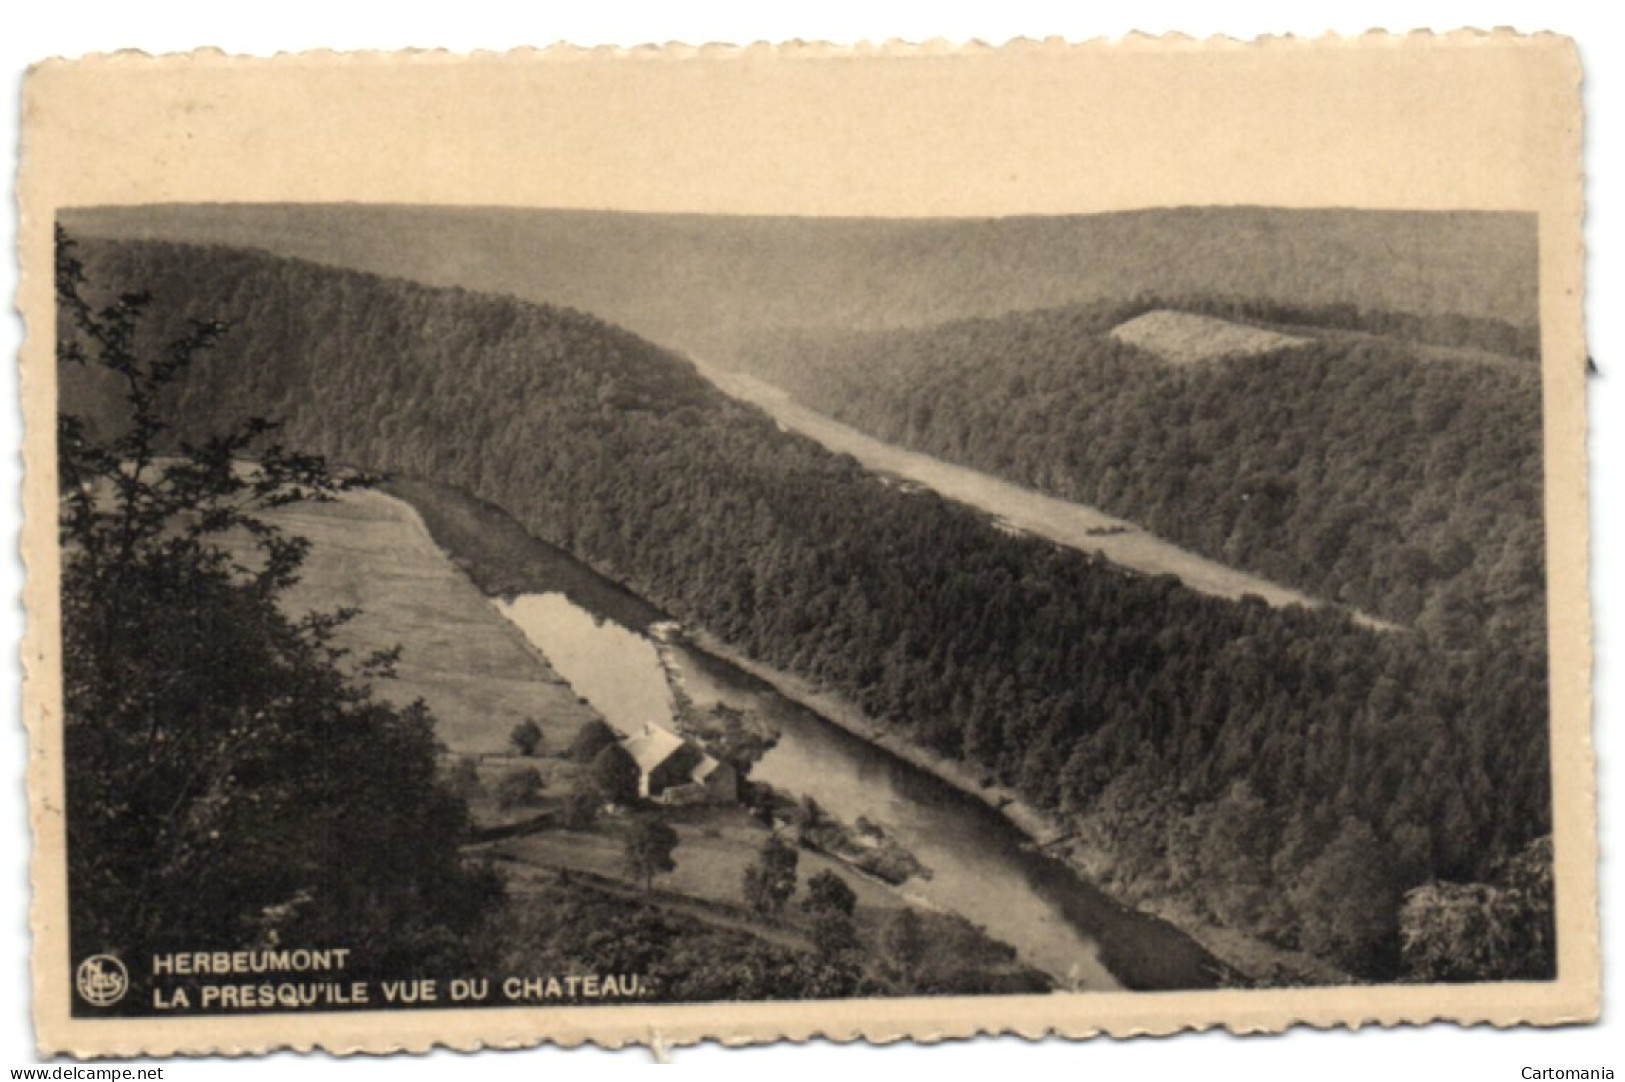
<point>706,284</point>
<point>1350,466</point>
<point>1294,773</point>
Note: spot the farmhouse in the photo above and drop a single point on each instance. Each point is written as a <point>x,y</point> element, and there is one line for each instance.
<point>672,770</point>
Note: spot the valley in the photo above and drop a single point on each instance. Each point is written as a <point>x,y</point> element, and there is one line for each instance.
<point>1197,740</point>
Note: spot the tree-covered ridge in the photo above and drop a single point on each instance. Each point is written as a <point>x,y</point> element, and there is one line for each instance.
<point>1351,466</point>
<point>1365,763</point>
<point>705,284</point>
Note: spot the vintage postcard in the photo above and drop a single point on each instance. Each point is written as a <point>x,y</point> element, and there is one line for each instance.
<point>751,543</point>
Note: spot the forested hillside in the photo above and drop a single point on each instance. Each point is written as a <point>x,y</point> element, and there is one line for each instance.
<point>705,283</point>
<point>1356,465</point>
<point>1292,772</point>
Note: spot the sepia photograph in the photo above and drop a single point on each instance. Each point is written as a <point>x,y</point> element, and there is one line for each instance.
<point>1121,601</point>
<point>564,546</point>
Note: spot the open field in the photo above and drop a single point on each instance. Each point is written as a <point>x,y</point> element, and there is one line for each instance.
<point>714,848</point>
<point>472,667</point>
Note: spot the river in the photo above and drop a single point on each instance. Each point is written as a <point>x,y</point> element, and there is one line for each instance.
<point>982,866</point>
<point>1012,507</point>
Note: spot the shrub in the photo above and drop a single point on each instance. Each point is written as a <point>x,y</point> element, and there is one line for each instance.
<point>519,788</point>
<point>770,881</point>
<point>829,893</point>
<point>580,809</point>
<point>616,775</point>
<point>526,737</point>
<point>464,779</point>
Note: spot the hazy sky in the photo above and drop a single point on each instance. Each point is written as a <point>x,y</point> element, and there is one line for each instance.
<point>1391,124</point>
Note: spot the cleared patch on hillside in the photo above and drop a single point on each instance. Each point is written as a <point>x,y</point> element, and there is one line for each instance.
<point>1187,338</point>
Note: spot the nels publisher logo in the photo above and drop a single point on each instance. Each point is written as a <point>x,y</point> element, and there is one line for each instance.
<point>102,980</point>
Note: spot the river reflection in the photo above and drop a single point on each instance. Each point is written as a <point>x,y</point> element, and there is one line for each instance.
<point>615,669</point>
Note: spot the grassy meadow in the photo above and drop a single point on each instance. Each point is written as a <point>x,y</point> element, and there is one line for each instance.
<point>469,664</point>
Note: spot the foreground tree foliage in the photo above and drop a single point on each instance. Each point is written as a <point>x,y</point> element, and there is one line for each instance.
<point>231,781</point>
<point>1129,706</point>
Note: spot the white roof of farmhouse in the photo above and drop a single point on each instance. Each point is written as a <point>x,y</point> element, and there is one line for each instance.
<point>653,746</point>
